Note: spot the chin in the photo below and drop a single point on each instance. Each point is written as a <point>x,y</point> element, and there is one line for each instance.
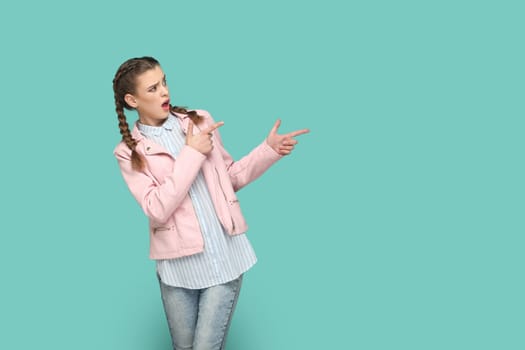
<point>161,114</point>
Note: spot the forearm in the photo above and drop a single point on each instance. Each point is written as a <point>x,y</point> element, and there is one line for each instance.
<point>251,166</point>
<point>159,198</point>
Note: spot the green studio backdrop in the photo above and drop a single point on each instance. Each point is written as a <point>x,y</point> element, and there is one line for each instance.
<point>396,224</point>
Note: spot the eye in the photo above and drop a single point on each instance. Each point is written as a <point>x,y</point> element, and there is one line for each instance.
<point>152,89</point>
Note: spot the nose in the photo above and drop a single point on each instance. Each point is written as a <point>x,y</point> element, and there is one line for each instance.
<point>164,90</point>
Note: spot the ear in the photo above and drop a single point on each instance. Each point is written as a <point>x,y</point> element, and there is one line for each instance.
<point>130,100</point>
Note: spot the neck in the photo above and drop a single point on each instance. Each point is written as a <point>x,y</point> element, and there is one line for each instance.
<point>152,121</point>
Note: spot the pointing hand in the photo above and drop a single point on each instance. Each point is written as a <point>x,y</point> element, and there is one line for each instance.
<point>202,141</point>
<point>283,144</point>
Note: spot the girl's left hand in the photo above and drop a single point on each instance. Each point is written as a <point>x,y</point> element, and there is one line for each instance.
<point>283,144</point>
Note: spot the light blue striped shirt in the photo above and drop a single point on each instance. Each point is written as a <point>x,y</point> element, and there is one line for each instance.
<point>225,257</point>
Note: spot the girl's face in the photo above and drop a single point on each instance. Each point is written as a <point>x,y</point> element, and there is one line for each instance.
<point>151,98</point>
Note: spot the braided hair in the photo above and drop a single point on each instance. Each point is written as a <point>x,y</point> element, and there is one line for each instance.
<point>124,83</point>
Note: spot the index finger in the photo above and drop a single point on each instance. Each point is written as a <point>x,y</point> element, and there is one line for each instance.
<point>210,129</point>
<point>298,132</point>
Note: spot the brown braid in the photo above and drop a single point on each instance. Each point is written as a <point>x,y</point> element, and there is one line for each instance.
<point>137,161</point>
<point>124,83</point>
<point>196,118</point>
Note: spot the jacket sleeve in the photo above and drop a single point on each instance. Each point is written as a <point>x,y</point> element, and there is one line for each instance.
<point>159,200</point>
<point>249,167</point>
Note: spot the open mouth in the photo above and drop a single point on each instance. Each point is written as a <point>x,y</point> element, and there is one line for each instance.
<point>166,104</point>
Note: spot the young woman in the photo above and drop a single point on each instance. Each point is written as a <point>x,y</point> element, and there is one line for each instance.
<point>176,167</point>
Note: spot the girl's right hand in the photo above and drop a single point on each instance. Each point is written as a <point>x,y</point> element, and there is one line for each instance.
<point>202,141</point>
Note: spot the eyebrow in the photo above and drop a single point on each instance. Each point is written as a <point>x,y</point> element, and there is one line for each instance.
<point>157,83</point>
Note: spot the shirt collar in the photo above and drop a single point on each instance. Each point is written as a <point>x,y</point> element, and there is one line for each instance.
<point>149,130</point>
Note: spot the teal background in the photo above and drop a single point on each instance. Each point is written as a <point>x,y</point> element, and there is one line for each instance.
<point>396,224</point>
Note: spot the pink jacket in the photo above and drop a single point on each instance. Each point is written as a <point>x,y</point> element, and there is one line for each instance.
<point>162,188</point>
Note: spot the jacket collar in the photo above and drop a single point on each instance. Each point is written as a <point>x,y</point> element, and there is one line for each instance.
<point>183,119</point>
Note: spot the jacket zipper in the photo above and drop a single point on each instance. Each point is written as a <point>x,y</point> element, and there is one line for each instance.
<point>161,229</point>
<point>225,198</point>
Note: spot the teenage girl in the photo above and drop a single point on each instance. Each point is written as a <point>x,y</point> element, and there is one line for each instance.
<point>176,167</point>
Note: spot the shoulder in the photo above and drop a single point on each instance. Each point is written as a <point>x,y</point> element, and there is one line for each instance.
<point>207,117</point>
<point>122,150</point>
<point>204,113</point>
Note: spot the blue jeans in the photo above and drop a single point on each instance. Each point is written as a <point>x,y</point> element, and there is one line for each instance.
<point>199,319</point>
